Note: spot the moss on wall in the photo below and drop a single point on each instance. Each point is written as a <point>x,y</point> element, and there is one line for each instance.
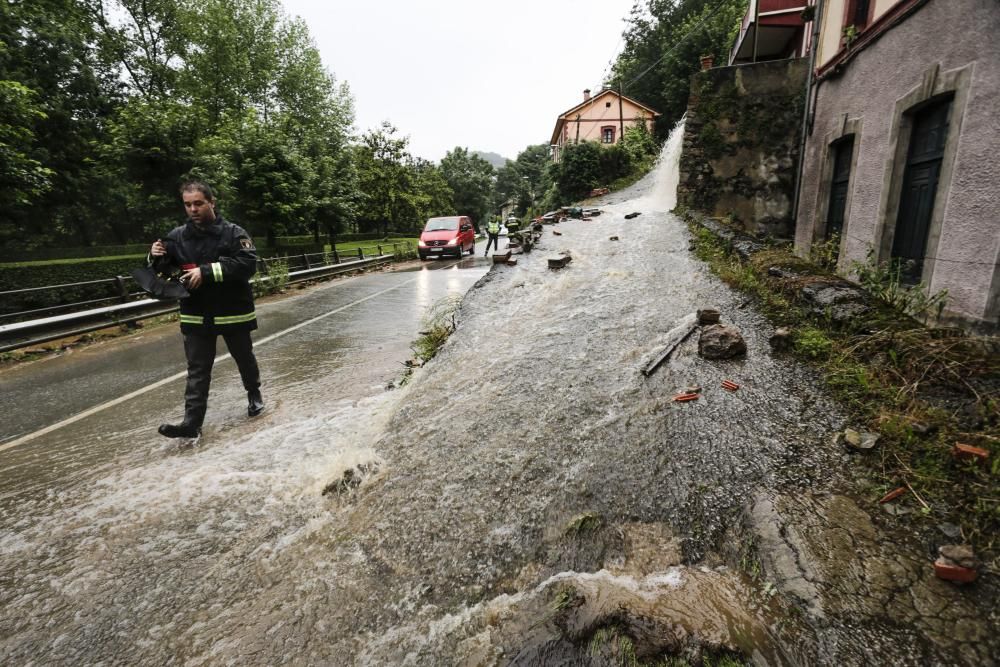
<point>741,143</point>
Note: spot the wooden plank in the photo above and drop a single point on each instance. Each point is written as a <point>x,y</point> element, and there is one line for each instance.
<point>675,337</point>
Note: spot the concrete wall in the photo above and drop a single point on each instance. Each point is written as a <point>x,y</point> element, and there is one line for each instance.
<point>741,143</point>
<point>945,48</point>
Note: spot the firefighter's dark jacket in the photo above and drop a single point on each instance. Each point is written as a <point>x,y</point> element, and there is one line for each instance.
<point>228,259</point>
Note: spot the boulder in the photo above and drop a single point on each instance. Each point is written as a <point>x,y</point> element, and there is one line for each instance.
<point>720,341</point>
<point>781,339</point>
<point>708,316</point>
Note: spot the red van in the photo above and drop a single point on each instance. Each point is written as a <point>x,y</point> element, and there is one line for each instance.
<point>451,235</point>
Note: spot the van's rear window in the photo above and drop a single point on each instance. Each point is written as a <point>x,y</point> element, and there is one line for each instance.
<point>438,225</point>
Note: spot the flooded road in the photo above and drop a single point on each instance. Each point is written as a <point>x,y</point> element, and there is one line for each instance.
<point>528,497</point>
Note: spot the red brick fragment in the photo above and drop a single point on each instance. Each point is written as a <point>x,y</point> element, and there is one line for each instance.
<point>952,572</point>
<point>892,495</point>
<point>963,452</point>
<point>681,398</point>
<point>731,386</point>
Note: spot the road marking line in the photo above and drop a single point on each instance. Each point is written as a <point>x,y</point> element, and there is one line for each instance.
<point>159,383</point>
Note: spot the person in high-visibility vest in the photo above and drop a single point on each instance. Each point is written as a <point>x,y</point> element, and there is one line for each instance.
<point>493,231</point>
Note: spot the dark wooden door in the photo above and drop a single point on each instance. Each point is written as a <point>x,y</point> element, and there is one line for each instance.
<point>920,181</point>
<point>843,150</point>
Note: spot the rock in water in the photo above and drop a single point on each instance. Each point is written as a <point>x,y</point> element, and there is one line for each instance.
<point>721,341</point>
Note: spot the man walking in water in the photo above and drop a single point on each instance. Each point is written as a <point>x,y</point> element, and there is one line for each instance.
<point>218,259</point>
<point>493,231</point>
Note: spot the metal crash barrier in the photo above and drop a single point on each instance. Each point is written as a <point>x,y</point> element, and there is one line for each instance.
<point>132,306</point>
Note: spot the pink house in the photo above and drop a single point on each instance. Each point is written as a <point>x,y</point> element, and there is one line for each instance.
<point>602,118</point>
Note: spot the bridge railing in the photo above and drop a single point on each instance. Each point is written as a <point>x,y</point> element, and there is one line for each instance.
<point>129,305</point>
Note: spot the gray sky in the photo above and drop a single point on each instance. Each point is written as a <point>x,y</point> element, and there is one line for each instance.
<point>491,76</point>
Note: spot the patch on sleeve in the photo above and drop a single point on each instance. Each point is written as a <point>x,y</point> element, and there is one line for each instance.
<point>246,243</point>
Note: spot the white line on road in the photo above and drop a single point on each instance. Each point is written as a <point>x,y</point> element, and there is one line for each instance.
<point>159,383</point>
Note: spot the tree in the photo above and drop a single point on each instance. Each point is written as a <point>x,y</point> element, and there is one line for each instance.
<point>382,176</point>
<point>662,47</point>
<point>578,170</point>
<point>60,90</point>
<point>471,179</point>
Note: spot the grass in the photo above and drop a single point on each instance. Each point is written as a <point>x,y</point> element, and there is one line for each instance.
<point>922,389</point>
<point>438,325</point>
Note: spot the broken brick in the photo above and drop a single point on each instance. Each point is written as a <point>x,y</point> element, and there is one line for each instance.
<point>892,495</point>
<point>952,572</point>
<point>731,386</point>
<point>963,452</point>
<point>683,398</point>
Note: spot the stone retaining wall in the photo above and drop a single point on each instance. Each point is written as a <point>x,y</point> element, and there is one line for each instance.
<point>741,144</point>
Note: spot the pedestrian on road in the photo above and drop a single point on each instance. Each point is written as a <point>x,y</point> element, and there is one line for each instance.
<point>493,231</point>
<point>218,259</point>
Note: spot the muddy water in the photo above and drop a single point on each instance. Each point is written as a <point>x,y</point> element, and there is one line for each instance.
<point>528,498</point>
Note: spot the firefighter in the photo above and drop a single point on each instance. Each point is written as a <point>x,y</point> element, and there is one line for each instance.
<point>218,259</point>
<point>493,231</point>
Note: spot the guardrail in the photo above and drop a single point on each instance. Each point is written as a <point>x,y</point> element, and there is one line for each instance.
<point>132,306</point>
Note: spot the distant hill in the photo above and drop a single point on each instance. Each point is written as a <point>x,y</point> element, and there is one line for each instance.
<point>495,159</point>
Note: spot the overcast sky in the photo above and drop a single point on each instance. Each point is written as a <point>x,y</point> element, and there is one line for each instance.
<point>492,76</point>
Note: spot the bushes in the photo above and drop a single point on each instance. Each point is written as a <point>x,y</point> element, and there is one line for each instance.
<point>82,252</point>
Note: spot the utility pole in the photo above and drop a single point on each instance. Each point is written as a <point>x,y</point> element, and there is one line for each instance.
<point>621,118</point>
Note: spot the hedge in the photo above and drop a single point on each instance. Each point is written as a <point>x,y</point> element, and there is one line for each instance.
<point>81,252</point>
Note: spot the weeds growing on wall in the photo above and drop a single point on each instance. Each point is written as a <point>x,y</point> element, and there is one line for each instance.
<point>923,389</point>
<point>883,280</point>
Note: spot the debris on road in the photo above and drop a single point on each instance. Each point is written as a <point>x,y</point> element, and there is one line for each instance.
<point>629,216</point>
<point>556,232</point>
<point>781,339</point>
<point>675,337</point>
<point>956,563</point>
<point>730,386</point>
<point>559,262</point>
<point>720,341</point>
<point>613,238</point>
<point>512,261</point>
<point>684,398</point>
<point>708,316</point>
<point>501,258</point>
<point>598,192</point>
<point>859,441</point>
<point>963,452</point>
<point>892,495</point>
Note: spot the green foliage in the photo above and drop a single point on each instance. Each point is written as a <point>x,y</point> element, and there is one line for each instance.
<point>826,253</point>
<point>399,191</point>
<point>578,170</point>
<point>884,281</point>
<point>663,45</point>
<point>22,178</point>
<point>132,96</point>
<point>812,343</point>
<point>438,325</point>
<point>641,146</point>
<point>471,180</point>
<point>275,280</point>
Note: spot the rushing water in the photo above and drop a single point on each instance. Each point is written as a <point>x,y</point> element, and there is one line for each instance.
<point>527,497</point>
